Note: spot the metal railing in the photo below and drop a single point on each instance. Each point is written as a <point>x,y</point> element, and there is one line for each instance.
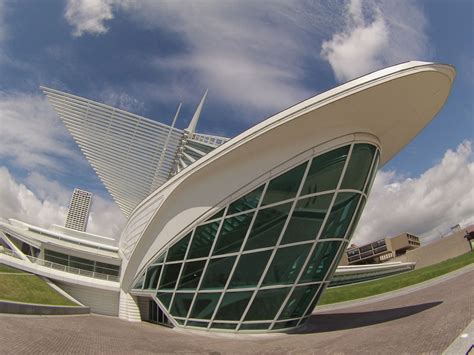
<point>65,268</point>
<point>73,270</point>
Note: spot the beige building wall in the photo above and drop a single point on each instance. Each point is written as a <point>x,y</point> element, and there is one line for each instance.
<point>443,249</point>
<point>344,260</point>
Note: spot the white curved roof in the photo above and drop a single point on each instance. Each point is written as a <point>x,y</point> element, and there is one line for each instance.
<point>391,105</point>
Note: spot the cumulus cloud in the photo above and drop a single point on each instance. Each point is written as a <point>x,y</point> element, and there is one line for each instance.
<point>246,54</point>
<point>32,137</point>
<point>49,205</point>
<point>427,205</point>
<point>21,203</point>
<point>376,34</point>
<point>88,16</point>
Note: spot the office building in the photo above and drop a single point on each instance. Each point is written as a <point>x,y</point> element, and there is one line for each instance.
<point>381,250</point>
<point>79,208</point>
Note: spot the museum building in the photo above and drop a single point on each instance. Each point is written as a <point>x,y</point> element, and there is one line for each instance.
<point>245,234</point>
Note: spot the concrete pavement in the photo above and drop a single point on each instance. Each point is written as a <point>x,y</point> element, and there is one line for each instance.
<point>427,320</point>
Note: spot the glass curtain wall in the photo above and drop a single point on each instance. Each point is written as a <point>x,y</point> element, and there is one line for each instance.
<point>262,262</point>
<point>81,263</point>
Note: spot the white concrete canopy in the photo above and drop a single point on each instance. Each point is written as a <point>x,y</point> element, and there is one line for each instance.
<point>388,108</point>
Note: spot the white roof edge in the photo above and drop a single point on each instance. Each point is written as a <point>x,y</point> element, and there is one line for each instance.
<point>63,236</point>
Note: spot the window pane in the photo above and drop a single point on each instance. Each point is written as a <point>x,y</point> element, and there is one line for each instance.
<point>165,298</point>
<point>267,226</point>
<point>284,186</point>
<point>191,274</point>
<point>192,323</point>
<point>56,257</point>
<point>358,167</point>
<point>202,240</point>
<point>359,211</point>
<point>320,261</point>
<point>216,215</point>
<point>178,251</point>
<point>307,219</point>
<point>181,304</point>
<point>266,304</point>
<point>250,269</point>
<point>217,273</point>
<point>204,305</point>
<point>139,283</point>
<point>170,275</point>
<point>286,265</point>
<point>159,259</point>
<point>152,276</point>
<point>255,326</point>
<point>247,202</point>
<point>325,171</point>
<point>341,215</point>
<point>107,268</point>
<point>81,263</point>
<point>299,301</point>
<point>232,234</point>
<point>224,325</point>
<point>233,305</point>
<point>288,324</point>
<point>373,172</point>
<point>315,301</point>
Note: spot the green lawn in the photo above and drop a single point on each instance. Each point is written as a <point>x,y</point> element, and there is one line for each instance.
<point>5,268</point>
<point>366,289</point>
<point>28,288</point>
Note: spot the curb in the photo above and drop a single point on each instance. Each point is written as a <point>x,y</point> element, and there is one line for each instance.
<point>10,307</point>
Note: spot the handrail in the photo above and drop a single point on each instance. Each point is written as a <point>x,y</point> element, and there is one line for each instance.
<point>73,270</point>
<point>65,268</point>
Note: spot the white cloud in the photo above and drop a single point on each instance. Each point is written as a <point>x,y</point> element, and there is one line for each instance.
<point>32,137</point>
<point>376,34</point>
<point>105,218</point>
<point>120,99</point>
<point>49,205</point>
<point>88,16</point>
<point>427,205</point>
<point>246,54</point>
<point>21,203</point>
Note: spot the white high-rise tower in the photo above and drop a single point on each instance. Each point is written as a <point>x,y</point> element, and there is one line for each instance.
<point>79,208</point>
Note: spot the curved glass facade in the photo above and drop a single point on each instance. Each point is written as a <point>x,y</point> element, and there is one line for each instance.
<point>262,262</point>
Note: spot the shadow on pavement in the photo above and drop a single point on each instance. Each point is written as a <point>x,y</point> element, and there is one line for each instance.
<point>319,323</point>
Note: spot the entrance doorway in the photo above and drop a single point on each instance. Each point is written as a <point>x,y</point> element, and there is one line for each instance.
<point>156,314</point>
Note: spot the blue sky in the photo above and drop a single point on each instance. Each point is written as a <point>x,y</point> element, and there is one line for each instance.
<point>256,58</point>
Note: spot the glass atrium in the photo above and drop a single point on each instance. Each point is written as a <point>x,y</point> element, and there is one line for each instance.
<point>263,261</point>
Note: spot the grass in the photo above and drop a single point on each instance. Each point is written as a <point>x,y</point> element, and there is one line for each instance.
<point>5,268</point>
<point>28,288</point>
<point>371,288</point>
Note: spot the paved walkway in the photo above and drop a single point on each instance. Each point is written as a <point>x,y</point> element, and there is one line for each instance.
<point>424,321</point>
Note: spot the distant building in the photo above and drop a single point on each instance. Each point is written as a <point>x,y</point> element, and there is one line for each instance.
<point>381,250</point>
<point>79,208</point>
